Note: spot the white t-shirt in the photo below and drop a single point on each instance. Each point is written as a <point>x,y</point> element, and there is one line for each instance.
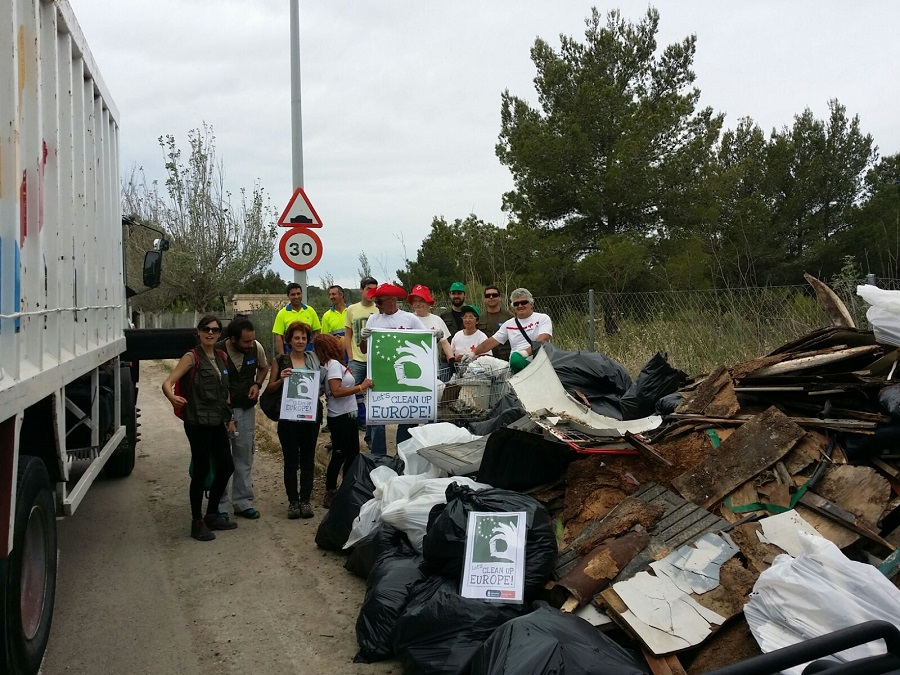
<point>535,325</point>
<point>399,320</point>
<point>465,344</point>
<point>434,322</point>
<point>339,405</point>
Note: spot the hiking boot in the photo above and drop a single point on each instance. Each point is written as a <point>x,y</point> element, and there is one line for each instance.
<point>306,510</point>
<point>294,511</point>
<point>200,531</point>
<point>219,521</point>
<point>329,497</point>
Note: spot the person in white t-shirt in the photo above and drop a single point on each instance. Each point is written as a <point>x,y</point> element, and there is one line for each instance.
<point>466,340</point>
<point>389,316</point>
<point>535,327</point>
<point>421,301</point>
<point>340,395</point>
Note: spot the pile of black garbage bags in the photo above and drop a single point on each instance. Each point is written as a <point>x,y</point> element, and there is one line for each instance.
<point>413,610</point>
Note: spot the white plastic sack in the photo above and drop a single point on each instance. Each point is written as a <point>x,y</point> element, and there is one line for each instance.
<point>426,436</point>
<point>818,592</point>
<point>411,514</point>
<point>884,314</point>
<point>879,297</point>
<point>487,366</point>
<point>370,513</point>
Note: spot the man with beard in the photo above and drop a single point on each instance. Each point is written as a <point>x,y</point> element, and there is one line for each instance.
<point>453,316</point>
<point>493,316</point>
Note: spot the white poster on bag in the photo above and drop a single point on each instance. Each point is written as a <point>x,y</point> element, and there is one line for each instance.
<point>494,568</point>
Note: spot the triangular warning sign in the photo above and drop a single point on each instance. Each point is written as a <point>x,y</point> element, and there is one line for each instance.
<point>299,212</point>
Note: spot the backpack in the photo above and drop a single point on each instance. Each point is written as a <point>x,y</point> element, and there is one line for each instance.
<point>184,386</point>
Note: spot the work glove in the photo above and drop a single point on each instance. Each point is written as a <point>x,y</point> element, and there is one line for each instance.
<point>468,357</point>
<point>364,334</point>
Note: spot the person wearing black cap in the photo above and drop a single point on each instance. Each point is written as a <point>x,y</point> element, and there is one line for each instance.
<point>453,316</point>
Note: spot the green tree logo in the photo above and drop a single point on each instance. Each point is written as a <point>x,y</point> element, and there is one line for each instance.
<point>403,361</point>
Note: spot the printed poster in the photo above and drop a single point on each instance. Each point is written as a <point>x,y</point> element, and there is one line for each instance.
<point>300,396</point>
<point>495,557</point>
<point>403,368</point>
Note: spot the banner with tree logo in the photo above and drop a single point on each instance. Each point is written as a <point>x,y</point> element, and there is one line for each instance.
<point>403,368</point>
<point>495,557</point>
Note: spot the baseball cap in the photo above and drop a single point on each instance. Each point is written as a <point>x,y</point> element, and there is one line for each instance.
<point>470,308</point>
<point>457,286</point>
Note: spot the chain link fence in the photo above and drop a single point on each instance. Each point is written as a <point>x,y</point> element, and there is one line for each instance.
<point>698,330</point>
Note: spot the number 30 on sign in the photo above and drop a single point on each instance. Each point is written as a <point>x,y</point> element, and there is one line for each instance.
<point>300,248</point>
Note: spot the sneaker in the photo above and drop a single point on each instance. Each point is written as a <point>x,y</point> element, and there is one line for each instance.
<point>294,511</point>
<point>249,514</point>
<point>200,531</point>
<point>219,521</point>
<point>329,497</point>
<point>306,510</point>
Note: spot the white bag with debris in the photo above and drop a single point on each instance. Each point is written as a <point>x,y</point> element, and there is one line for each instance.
<point>411,514</point>
<point>426,436</point>
<point>884,313</point>
<point>818,592</point>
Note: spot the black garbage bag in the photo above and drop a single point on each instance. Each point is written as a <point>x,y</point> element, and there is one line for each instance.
<point>657,378</point>
<point>366,551</point>
<point>549,641</point>
<point>355,490</point>
<point>440,631</point>
<point>667,404</point>
<point>889,399</point>
<point>444,546</point>
<point>388,588</point>
<point>505,411</point>
<point>591,373</point>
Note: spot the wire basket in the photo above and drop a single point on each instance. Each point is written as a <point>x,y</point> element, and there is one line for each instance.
<point>472,392</point>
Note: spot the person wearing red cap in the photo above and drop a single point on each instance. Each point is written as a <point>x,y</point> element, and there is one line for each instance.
<point>421,301</point>
<point>389,316</point>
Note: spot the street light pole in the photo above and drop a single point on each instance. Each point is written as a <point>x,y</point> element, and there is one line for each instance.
<point>296,117</point>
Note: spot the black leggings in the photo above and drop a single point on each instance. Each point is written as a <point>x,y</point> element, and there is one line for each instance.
<point>298,445</point>
<point>208,442</point>
<point>344,447</point>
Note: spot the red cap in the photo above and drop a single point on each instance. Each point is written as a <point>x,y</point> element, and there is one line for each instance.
<point>386,290</point>
<point>421,291</point>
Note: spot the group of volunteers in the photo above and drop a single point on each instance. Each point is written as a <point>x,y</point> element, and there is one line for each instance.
<point>215,387</point>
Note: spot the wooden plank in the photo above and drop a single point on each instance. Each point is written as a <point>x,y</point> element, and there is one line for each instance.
<point>756,445</point>
<point>834,307</point>
<point>706,391</point>
<point>458,459</point>
<point>805,363</point>
<point>725,403</point>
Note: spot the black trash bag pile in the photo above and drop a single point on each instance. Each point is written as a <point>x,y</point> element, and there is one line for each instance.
<point>657,379</point>
<point>440,631</point>
<point>549,641</point>
<point>355,490</point>
<point>444,546</point>
<point>601,379</point>
<point>667,404</point>
<point>388,588</point>
<point>889,399</point>
<point>505,411</point>
<point>366,551</point>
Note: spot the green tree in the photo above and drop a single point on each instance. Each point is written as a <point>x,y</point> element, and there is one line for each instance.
<point>217,242</point>
<point>617,143</point>
<point>263,283</point>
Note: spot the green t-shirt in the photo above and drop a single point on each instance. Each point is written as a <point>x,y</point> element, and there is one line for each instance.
<point>334,321</point>
<point>357,315</point>
<point>286,316</point>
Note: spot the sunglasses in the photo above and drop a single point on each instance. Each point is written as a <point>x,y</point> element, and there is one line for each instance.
<point>492,295</point>
<point>210,329</point>
<point>520,303</point>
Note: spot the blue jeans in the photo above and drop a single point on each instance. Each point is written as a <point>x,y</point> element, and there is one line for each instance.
<point>378,446</point>
<point>358,370</point>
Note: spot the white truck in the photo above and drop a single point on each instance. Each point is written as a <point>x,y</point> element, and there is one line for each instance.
<point>67,395</point>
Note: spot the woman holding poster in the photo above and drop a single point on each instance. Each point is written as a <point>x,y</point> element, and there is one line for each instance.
<point>298,438</point>
<point>340,396</point>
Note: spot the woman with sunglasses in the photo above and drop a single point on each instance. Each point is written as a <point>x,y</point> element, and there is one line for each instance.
<point>522,332</point>
<point>298,439</point>
<point>208,420</point>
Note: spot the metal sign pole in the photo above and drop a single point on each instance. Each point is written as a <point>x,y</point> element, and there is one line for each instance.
<point>296,119</point>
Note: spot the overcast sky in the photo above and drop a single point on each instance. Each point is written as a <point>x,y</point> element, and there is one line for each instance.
<point>401,98</point>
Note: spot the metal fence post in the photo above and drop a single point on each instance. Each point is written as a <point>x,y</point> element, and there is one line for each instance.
<point>591,320</point>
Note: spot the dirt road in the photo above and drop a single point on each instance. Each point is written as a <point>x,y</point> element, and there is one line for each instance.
<point>137,595</point>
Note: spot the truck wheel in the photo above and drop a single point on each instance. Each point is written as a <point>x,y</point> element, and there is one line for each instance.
<point>121,463</point>
<point>30,584</point>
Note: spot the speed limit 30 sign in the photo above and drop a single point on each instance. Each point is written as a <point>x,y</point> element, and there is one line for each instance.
<point>300,248</point>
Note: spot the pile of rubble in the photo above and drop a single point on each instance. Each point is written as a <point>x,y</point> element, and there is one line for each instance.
<point>756,508</point>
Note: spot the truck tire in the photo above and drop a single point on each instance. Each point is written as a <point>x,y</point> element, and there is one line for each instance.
<point>29,586</point>
<point>121,463</point>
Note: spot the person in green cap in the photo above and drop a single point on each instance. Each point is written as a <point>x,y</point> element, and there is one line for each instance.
<point>453,316</point>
